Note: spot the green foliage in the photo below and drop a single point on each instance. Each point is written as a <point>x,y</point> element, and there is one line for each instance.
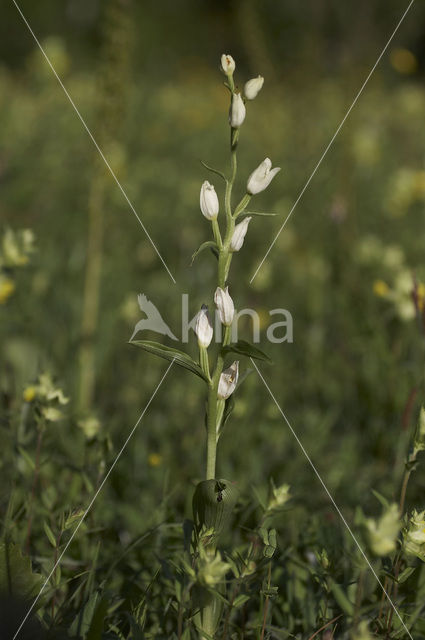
<point>172,355</point>
<point>209,244</point>
<point>16,575</point>
<point>351,384</point>
<point>213,505</point>
<point>244,348</point>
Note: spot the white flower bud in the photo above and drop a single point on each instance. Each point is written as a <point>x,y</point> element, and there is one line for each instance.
<point>203,327</point>
<point>209,201</point>
<point>228,381</point>
<point>225,306</point>
<point>261,177</point>
<point>253,87</point>
<point>227,64</point>
<point>239,234</point>
<point>237,111</point>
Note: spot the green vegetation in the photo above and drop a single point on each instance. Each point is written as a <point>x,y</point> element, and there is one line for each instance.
<point>349,265</point>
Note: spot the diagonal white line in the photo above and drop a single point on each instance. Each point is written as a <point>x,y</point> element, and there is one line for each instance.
<point>330,497</point>
<point>93,500</point>
<point>94,141</point>
<point>332,140</point>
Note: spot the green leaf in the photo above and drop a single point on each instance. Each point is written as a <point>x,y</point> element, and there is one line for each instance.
<point>404,575</point>
<point>49,533</point>
<point>203,633</point>
<point>264,535</point>
<point>341,598</point>
<point>240,600</point>
<point>97,623</point>
<point>384,502</point>
<point>270,592</point>
<point>188,526</point>
<point>269,541</point>
<point>27,458</point>
<point>257,213</point>
<point>228,408</point>
<point>16,575</point>
<point>229,405</point>
<point>268,551</point>
<point>210,244</point>
<point>243,348</point>
<point>216,171</point>
<point>168,353</point>
<point>82,621</point>
<point>234,566</point>
<point>262,504</point>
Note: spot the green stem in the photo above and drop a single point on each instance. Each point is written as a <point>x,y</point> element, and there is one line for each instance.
<point>204,362</point>
<point>219,416</point>
<point>211,430</point>
<point>359,596</point>
<point>242,205</point>
<point>224,260</point>
<point>227,266</point>
<point>236,592</point>
<point>406,477</point>
<point>212,406</point>
<point>217,234</point>
<point>266,604</point>
<point>234,137</point>
<point>404,484</point>
<point>58,541</point>
<point>34,485</point>
<point>215,406</point>
<point>222,263</point>
<point>393,591</point>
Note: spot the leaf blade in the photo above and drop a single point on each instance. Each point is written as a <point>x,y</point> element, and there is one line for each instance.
<point>258,213</point>
<point>216,171</point>
<point>209,244</point>
<point>244,348</point>
<point>169,353</point>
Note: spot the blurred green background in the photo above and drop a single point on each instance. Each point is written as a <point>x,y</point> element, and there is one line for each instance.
<point>146,79</point>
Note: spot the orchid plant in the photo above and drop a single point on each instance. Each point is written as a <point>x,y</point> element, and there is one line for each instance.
<point>214,498</point>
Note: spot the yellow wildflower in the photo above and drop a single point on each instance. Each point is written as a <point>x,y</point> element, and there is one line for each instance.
<point>421,290</point>
<point>403,61</point>
<point>29,394</point>
<point>419,183</point>
<point>154,459</point>
<point>380,288</point>
<point>16,247</point>
<point>7,287</point>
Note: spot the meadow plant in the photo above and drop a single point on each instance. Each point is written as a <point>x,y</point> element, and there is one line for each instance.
<point>16,248</point>
<point>215,498</point>
<point>220,580</point>
<point>390,539</point>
